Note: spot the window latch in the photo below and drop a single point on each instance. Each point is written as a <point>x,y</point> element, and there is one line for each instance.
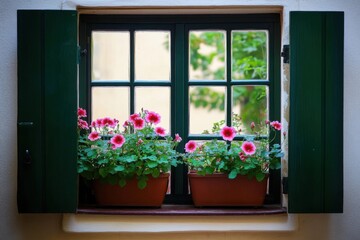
<point>286,54</point>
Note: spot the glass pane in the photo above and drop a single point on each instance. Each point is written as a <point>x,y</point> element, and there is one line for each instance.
<point>155,99</point>
<point>110,56</point>
<point>206,106</point>
<point>251,103</point>
<point>249,54</point>
<point>207,55</point>
<point>110,102</point>
<point>152,55</point>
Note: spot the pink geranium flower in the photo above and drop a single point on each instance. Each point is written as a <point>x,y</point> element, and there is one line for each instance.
<point>126,124</point>
<point>93,136</point>
<point>133,117</point>
<point>98,122</point>
<point>242,156</point>
<point>160,131</point>
<point>153,117</point>
<point>117,141</point>
<point>82,124</point>
<point>276,125</point>
<point>249,148</point>
<point>108,122</point>
<point>228,133</point>
<point>139,123</point>
<point>81,112</point>
<point>252,126</point>
<point>177,138</point>
<point>190,146</point>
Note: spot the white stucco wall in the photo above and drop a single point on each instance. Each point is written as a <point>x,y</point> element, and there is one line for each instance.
<point>48,226</point>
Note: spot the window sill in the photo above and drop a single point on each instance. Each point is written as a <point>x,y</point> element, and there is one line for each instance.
<point>179,219</point>
<point>185,210</point>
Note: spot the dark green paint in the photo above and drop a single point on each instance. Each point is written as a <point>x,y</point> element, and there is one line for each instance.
<point>316,112</point>
<point>47,87</point>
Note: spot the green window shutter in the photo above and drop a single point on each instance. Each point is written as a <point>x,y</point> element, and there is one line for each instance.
<point>316,112</point>
<point>47,111</point>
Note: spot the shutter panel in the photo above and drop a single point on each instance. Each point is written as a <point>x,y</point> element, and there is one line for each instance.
<point>316,112</point>
<point>47,111</point>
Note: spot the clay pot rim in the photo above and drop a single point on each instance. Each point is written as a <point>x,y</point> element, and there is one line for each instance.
<point>193,174</point>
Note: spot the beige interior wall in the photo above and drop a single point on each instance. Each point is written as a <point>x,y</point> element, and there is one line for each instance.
<point>48,226</point>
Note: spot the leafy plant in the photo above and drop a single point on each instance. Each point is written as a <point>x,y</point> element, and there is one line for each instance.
<point>253,156</point>
<point>114,154</point>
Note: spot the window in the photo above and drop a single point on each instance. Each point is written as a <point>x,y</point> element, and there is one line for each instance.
<point>192,69</point>
<point>47,84</point>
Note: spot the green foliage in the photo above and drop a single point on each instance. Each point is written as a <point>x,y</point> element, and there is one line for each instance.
<point>143,153</point>
<point>249,61</point>
<point>218,156</point>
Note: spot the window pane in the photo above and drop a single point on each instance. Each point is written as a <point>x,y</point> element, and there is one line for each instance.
<point>249,54</point>
<point>207,106</point>
<point>207,55</point>
<point>110,102</point>
<point>110,55</point>
<point>155,99</point>
<point>251,103</point>
<point>152,55</point>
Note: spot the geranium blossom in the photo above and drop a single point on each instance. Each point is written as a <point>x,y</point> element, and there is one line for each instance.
<point>93,136</point>
<point>82,124</point>
<point>126,124</point>
<point>177,138</point>
<point>252,126</point>
<point>190,146</point>
<point>117,141</point>
<point>81,113</point>
<point>249,148</point>
<point>228,133</point>
<point>133,117</point>
<point>276,125</point>
<point>242,156</point>
<point>108,122</point>
<point>160,131</point>
<point>139,123</point>
<point>98,122</point>
<point>153,117</point>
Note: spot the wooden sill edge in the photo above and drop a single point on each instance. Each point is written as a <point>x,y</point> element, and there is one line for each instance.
<point>189,210</point>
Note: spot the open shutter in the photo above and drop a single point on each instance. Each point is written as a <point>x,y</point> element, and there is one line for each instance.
<point>316,112</point>
<point>47,104</point>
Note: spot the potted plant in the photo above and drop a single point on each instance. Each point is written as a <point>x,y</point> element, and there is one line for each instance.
<point>128,164</point>
<point>233,173</point>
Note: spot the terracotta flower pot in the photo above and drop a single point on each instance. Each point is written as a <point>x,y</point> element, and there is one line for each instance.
<point>130,195</point>
<point>218,190</point>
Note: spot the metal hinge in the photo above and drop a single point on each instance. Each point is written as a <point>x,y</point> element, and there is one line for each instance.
<point>286,54</point>
<point>80,53</point>
<point>285,185</point>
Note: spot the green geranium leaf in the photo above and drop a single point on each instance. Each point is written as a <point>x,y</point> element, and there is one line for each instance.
<point>119,168</point>
<point>155,173</point>
<point>103,172</point>
<point>233,174</point>
<point>122,182</point>
<point>152,164</point>
<point>260,176</point>
<point>142,183</point>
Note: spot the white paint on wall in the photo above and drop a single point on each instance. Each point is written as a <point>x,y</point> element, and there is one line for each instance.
<point>311,226</point>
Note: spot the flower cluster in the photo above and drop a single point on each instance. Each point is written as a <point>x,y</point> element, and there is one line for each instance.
<point>115,153</point>
<point>253,155</point>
